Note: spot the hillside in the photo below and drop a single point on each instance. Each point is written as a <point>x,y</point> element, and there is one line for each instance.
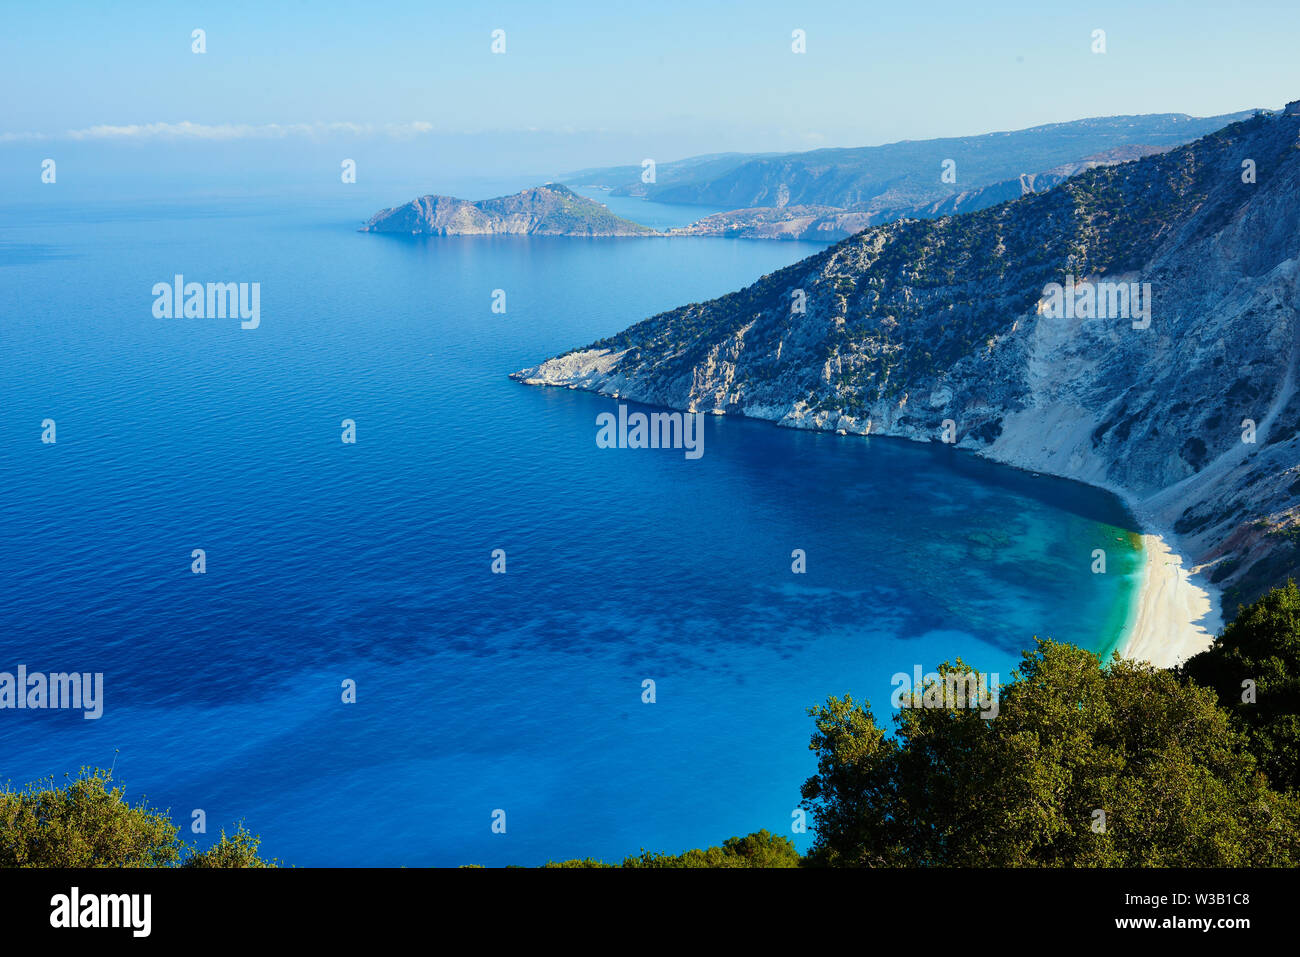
<point>897,176</point>
<point>916,322</point>
<point>550,210</point>
<point>830,223</point>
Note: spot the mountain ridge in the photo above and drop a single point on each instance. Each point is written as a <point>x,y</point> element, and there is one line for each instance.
<point>917,323</point>
<point>831,223</point>
<point>895,175</point>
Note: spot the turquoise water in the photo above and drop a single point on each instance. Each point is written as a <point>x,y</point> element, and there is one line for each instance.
<point>372,562</point>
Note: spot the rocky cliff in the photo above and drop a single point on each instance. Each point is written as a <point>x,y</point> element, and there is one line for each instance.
<point>1168,375</point>
<point>550,210</point>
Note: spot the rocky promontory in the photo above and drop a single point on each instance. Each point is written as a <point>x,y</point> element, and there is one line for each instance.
<point>550,210</point>
<point>1169,376</point>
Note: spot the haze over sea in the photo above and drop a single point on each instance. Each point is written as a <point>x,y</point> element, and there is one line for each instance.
<point>371,562</point>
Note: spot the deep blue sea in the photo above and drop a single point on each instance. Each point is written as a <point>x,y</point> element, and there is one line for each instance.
<point>372,562</point>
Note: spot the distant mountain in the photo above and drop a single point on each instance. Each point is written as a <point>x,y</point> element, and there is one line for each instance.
<point>550,210</point>
<point>921,326</point>
<point>830,224</point>
<point>898,175</point>
<point>626,180</point>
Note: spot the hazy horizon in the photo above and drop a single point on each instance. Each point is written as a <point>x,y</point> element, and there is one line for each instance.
<point>421,101</point>
<point>160,164</point>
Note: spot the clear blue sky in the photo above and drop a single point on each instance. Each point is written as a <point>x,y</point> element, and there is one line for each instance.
<point>614,81</point>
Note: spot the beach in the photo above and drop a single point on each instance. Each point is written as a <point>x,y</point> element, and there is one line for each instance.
<point>1177,613</point>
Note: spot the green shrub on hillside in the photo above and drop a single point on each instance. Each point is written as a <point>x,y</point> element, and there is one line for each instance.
<point>1261,646</point>
<point>760,849</point>
<point>88,823</point>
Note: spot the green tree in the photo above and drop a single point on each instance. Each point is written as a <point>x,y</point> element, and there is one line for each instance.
<point>1156,756</point>
<point>1261,645</point>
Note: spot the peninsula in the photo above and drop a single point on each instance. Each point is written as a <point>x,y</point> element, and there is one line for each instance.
<point>1185,404</point>
<point>550,210</point>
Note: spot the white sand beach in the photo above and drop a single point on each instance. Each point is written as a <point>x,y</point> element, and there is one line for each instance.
<point>1177,612</point>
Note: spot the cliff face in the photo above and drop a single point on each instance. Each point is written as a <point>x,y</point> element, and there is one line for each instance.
<point>905,326</point>
<point>550,210</point>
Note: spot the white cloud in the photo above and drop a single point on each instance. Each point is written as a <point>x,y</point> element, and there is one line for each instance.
<point>225,131</point>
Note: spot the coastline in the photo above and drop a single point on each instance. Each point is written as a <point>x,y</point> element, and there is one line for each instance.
<point>1176,612</point>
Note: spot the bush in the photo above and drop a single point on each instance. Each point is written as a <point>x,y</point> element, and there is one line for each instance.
<point>760,849</point>
<point>239,850</point>
<point>88,823</point>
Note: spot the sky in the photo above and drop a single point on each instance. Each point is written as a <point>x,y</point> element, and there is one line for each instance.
<point>417,90</point>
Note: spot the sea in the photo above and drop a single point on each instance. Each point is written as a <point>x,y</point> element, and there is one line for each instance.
<point>471,636</point>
